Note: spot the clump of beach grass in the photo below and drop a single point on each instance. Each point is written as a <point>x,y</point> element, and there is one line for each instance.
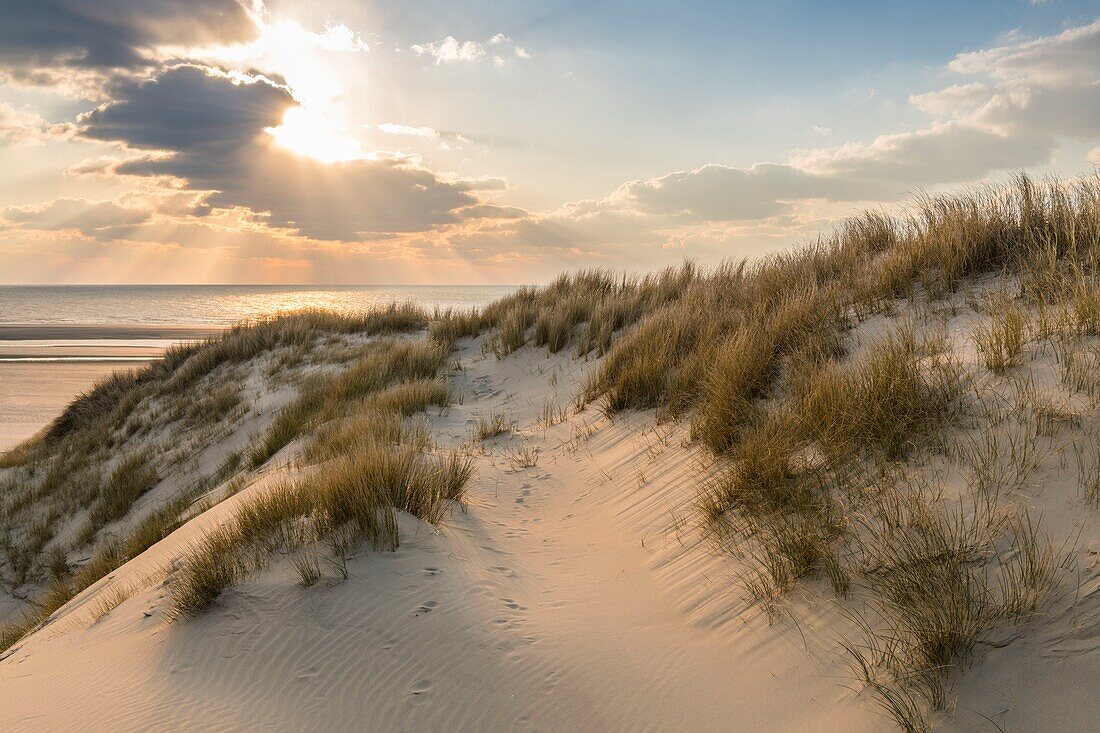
<point>407,367</point>
<point>1000,342</point>
<point>361,490</point>
<point>491,425</point>
<point>885,403</point>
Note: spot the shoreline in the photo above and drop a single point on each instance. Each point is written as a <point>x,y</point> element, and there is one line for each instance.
<point>33,394</point>
<point>97,331</point>
<point>44,367</point>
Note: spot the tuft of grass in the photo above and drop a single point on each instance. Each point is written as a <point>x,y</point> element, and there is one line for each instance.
<point>409,398</point>
<point>360,489</point>
<point>522,456</point>
<point>342,437</point>
<point>132,478</point>
<point>885,404</point>
<point>307,568</point>
<point>552,413</point>
<point>108,601</point>
<point>511,331</point>
<point>1084,307</point>
<point>324,397</point>
<point>1000,342</point>
<point>762,477</point>
<point>942,585</point>
<point>491,425</point>
<point>214,406</point>
<point>450,325</point>
<point>1088,469</point>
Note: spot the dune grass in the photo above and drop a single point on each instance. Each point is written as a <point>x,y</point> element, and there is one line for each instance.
<point>755,355</point>
<point>491,425</point>
<point>183,365</point>
<point>325,396</point>
<point>368,463</point>
<point>190,395</point>
<point>133,476</point>
<point>360,489</point>
<point>110,556</point>
<point>1000,342</point>
<point>885,403</point>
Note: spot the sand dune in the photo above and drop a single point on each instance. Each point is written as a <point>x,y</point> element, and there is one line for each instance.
<point>574,594</point>
<point>779,499</point>
<point>556,599</point>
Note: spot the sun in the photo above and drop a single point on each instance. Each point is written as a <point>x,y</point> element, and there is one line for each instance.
<point>313,133</point>
<point>310,64</point>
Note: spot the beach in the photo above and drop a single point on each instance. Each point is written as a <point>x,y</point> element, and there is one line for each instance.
<point>43,367</point>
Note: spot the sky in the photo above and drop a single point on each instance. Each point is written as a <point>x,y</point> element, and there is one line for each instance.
<point>503,141</point>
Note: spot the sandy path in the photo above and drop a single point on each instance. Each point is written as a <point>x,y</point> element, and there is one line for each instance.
<point>562,598</point>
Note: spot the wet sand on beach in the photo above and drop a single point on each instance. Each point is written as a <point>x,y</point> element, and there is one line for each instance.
<point>43,367</point>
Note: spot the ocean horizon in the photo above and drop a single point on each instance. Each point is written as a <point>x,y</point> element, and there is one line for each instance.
<point>215,305</point>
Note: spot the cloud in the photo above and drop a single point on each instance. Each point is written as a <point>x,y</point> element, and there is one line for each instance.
<point>712,193</point>
<point>189,110</point>
<point>102,220</point>
<point>209,129</point>
<point>46,41</point>
<point>1048,85</point>
<point>451,51</point>
<point>491,211</point>
<point>1066,58</point>
<point>943,153</point>
<point>23,127</point>
<point>884,170</point>
<point>391,129</point>
<point>103,165</point>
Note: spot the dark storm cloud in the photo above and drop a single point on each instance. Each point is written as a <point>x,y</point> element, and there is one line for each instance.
<point>38,35</point>
<point>189,110</point>
<point>210,130</point>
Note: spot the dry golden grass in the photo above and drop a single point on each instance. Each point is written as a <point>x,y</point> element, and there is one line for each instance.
<point>491,425</point>
<point>1000,342</point>
<point>360,490</point>
<point>886,403</point>
<point>327,396</point>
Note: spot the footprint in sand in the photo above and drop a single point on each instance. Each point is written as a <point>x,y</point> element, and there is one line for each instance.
<point>425,607</point>
<point>420,687</point>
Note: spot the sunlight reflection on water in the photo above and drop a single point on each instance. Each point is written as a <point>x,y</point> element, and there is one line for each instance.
<point>214,304</point>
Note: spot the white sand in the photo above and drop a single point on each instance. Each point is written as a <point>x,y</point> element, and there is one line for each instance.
<point>574,595</point>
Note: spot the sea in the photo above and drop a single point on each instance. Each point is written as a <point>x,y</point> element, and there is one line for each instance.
<point>103,323</point>
<point>215,305</point>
